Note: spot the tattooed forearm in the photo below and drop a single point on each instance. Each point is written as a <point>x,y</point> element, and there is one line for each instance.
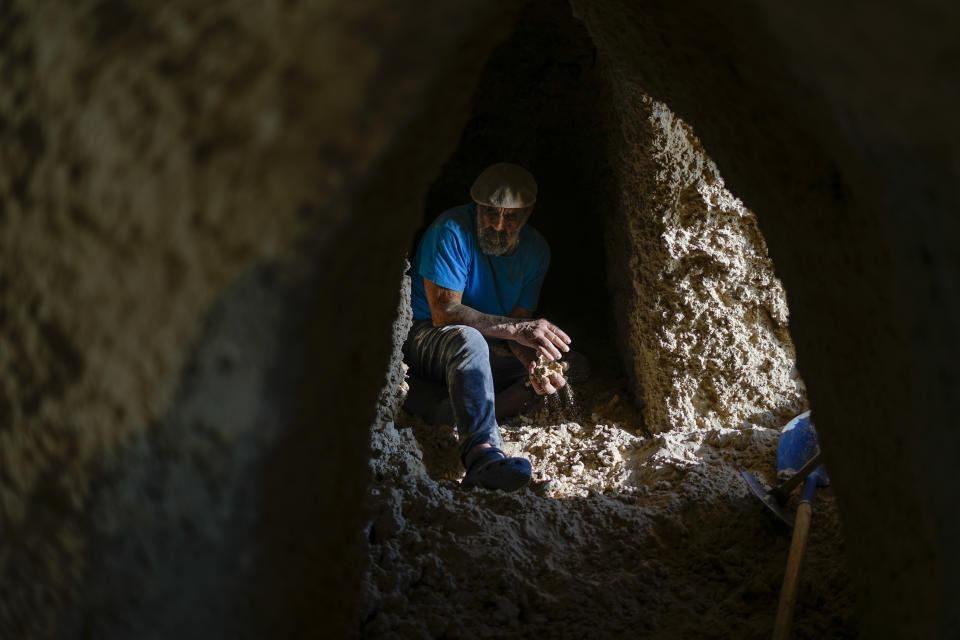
<point>446,308</point>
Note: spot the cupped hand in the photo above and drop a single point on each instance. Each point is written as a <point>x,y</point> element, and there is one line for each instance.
<point>550,383</point>
<point>544,336</point>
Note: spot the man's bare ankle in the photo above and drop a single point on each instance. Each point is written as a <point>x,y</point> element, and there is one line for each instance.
<point>478,448</point>
<point>472,454</point>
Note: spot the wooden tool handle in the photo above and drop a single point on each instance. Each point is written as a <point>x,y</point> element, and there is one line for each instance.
<point>791,579</point>
<point>782,491</point>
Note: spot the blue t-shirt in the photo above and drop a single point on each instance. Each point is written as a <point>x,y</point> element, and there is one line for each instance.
<point>449,256</point>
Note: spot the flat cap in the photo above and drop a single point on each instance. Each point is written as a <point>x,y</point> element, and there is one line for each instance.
<point>504,185</point>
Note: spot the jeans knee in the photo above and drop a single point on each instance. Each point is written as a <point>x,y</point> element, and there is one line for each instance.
<point>469,343</point>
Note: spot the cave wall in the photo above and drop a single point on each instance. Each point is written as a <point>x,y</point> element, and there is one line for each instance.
<point>702,320</point>
<point>153,153</point>
<point>836,126</point>
<point>700,314</point>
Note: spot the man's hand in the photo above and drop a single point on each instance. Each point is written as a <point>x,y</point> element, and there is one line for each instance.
<point>544,336</point>
<point>446,308</point>
<point>546,374</point>
<point>547,377</point>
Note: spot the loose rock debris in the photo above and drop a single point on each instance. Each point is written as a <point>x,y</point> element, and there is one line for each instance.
<point>647,536</point>
<point>546,367</point>
<point>635,526</point>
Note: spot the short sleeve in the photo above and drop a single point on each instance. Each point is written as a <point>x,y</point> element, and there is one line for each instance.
<point>530,294</point>
<point>445,261</point>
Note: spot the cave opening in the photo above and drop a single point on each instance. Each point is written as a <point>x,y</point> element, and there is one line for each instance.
<point>662,278</point>
<point>192,349</point>
<point>536,105</point>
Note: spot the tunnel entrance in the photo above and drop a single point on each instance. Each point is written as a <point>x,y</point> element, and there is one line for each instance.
<point>536,106</point>
<point>635,519</point>
<point>151,165</point>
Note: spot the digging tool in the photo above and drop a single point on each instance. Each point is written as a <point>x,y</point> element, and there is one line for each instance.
<point>798,449</point>
<point>798,457</point>
<point>776,498</point>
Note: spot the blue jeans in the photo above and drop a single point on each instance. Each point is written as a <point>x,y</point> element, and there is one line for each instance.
<point>473,371</point>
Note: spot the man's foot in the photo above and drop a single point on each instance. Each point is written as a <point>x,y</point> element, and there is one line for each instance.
<point>491,468</point>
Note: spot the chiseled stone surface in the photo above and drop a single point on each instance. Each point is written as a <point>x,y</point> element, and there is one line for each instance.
<point>837,126</point>
<point>701,313</point>
<point>152,153</point>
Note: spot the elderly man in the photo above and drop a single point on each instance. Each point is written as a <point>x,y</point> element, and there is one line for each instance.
<point>476,279</point>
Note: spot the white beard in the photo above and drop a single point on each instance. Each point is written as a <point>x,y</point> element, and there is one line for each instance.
<point>497,243</point>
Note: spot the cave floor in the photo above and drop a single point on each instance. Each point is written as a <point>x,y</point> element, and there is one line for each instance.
<point>651,536</point>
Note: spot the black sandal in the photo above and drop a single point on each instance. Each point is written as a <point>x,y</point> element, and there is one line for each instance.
<point>492,469</point>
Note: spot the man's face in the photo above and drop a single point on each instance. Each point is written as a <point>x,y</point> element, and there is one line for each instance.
<point>498,228</point>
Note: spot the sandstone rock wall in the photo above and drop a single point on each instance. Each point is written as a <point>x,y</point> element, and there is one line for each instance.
<point>836,125</point>
<point>702,318</point>
<point>153,152</point>
<point>150,153</point>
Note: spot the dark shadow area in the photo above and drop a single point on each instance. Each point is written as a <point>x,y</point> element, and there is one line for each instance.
<point>535,105</point>
<point>172,534</point>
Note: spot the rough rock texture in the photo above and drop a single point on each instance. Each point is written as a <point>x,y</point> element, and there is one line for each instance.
<point>636,535</point>
<point>624,532</point>
<point>153,152</point>
<point>171,544</point>
<point>701,315</point>
<point>172,537</point>
<point>395,387</point>
<point>835,123</point>
<point>837,126</point>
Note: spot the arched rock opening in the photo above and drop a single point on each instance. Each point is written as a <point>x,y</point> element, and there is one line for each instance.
<point>153,154</point>
<point>657,263</point>
<point>649,246</point>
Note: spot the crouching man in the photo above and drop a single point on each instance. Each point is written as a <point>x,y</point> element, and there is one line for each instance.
<point>476,280</point>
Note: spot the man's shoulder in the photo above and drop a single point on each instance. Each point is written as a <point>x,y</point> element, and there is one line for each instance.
<point>534,241</point>
<point>452,228</point>
<point>456,218</point>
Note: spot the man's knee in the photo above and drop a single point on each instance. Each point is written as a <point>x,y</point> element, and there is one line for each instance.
<point>468,343</point>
